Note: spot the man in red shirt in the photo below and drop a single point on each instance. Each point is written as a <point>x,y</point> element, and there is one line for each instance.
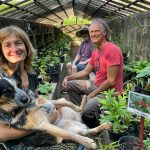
<point>107,62</point>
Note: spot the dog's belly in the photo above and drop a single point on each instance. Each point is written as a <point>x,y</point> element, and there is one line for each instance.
<point>72,126</point>
<point>70,120</point>
<point>68,113</point>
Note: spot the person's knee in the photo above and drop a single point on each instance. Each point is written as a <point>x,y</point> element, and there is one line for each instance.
<point>91,113</point>
<point>80,67</point>
<point>68,65</point>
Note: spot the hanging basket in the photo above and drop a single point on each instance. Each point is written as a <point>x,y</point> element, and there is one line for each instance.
<point>128,143</point>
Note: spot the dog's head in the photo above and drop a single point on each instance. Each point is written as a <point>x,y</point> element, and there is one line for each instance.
<point>11,96</point>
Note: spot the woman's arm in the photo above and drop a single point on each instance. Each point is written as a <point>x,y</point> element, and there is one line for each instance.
<point>9,133</point>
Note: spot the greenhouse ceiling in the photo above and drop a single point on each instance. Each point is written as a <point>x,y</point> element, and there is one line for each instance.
<point>56,11</point>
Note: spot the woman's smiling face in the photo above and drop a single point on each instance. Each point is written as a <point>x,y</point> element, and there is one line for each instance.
<point>14,49</point>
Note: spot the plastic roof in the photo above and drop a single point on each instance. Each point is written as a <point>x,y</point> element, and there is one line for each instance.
<point>55,11</point>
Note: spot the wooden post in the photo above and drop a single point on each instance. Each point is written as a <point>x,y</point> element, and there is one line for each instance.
<point>141,133</point>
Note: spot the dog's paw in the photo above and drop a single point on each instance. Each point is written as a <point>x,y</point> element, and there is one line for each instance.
<point>106,125</point>
<point>89,143</point>
<point>103,126</point>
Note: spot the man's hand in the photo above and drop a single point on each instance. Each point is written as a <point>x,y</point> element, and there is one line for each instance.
<point>65,83</point>
<point>74,69</point>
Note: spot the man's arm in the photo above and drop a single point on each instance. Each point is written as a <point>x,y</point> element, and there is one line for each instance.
<point>78,75</point>
<point>112,73</point>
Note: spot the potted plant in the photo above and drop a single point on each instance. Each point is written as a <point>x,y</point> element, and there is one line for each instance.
<point>44,89</point>
<point>115,111</point>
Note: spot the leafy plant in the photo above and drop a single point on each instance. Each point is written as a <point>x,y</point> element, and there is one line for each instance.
<point>110,146</point>
<point>45,88</point>
<point>147,143</point>
<point>136,66</point>
<point>115,111</point>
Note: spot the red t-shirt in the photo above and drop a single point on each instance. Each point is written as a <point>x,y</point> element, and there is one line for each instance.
<point>109,55</point>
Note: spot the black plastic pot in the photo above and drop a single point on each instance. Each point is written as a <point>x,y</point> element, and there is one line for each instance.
<point>62,59</point>
<point>116,136</point>
<point>54,76</point>
<point>128,143</point>
<point>142,91</point>
<point>54,68</point>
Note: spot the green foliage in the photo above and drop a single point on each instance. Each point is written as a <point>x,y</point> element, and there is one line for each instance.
<point>147,143</point>
<point>76,20</point>
<point>136,66</point>
<point>115,110</point>
<point>141,69</point>
<point>144,72</point>
<point>110,146</point>
<point>45,88</point>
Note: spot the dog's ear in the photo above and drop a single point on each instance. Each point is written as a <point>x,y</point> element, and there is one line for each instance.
<point>17,77</point>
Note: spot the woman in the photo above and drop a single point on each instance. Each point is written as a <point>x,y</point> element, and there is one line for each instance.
<point>16,48</point>
<point>16,51</point>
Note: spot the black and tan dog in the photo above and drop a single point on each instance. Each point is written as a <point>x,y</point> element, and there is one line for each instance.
<point>59,118</point>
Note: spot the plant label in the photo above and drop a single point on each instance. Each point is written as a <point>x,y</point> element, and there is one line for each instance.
<point>139,104</point>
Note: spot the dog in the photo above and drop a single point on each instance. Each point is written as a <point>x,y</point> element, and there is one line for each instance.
<point>60,118</point>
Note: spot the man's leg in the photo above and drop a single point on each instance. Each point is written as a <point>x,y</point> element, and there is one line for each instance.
<point>91,113</point>
<point>81,67</point>
<point>76,88</point>
<point>69,67</point>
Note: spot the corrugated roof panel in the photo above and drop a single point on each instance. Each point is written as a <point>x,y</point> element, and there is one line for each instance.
<point>55,11</point>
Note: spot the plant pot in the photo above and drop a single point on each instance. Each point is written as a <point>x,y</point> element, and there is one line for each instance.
<point>142,91</point>
<point>133,129</point>
<point>54,68</point>
<point>54,76</point>
<point>116,136</point>
<point>128,76</point>
<point>62,59</point>
<point>128,143</point>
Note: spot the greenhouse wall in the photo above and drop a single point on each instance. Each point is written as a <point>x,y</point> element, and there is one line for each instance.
<point>132,34</point>
<point>41,35</point>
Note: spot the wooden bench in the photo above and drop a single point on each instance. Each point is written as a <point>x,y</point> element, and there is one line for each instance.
<point>56,92</point>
